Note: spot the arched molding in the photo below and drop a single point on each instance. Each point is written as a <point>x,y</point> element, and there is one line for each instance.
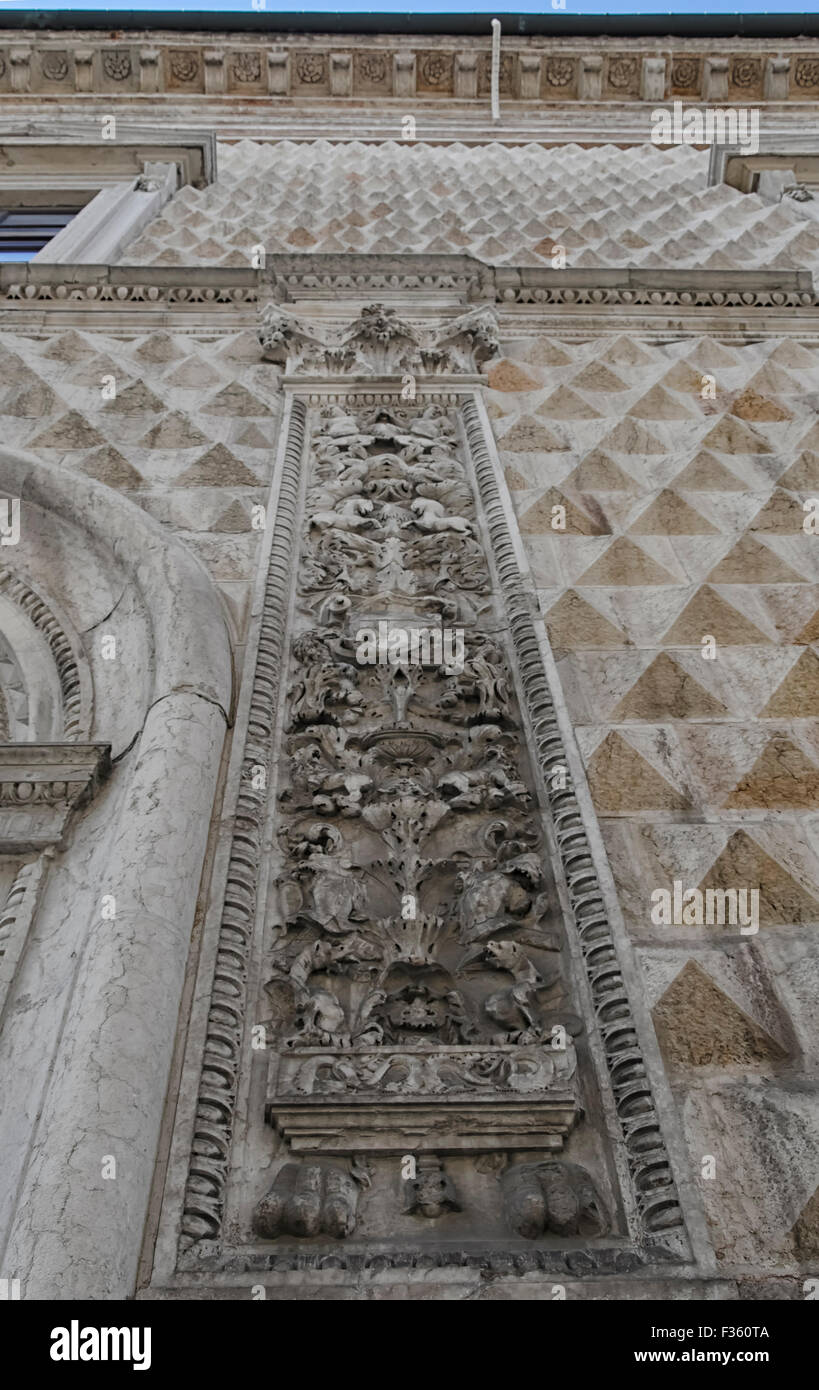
<point>44,675</point>
<point>104,986</point>
<point>189,639</point>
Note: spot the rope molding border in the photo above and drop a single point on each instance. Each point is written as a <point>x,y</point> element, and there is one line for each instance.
<point>655,1191</point>
<point>35,608</point>
<point>203,1202</point>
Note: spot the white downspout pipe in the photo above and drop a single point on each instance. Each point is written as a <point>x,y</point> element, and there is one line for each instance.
<point>495,79</point>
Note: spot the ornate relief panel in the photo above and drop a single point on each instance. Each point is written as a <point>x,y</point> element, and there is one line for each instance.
<point>401,1055</point>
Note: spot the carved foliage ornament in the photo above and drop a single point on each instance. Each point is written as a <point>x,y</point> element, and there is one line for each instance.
<point>415,949</point>
<point>622,72</point>
<point>311,68</point>
<point>685,73</point>
<point>806,73</point>
<point>184,65</point>
<point>246,67</point>
<point>436,69</point>
<point>746,72</point>
<point>559,71</point>
<point>116,65</point>
<point>372,67</point>
<point>378,343</point>
<point>55,66</point>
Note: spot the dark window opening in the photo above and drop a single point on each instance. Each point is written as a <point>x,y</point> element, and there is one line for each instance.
<point>25,231</point>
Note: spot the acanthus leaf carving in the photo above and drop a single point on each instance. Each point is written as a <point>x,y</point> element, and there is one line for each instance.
<point>378,343</point>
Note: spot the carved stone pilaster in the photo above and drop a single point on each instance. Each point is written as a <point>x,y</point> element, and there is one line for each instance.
<point>401,900</point>
<point>16,917</point>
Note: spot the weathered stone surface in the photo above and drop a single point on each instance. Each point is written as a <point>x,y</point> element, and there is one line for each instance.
<point>378,874</point>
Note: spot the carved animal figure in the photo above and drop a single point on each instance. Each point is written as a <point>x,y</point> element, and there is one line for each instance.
<point>486,787</point>
<point>481,680</point>
<point>552,1196</point>
<point>322,682</point>
<point>492,898</point>
<point>334,896</point>
<point>430,516</point>
<point>432,1192</point>
<point>516,1008</point>
<point>353,512</point>
<point>308,1199</point>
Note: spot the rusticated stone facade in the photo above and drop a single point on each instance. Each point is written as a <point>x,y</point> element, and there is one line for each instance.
<point>408,643</point>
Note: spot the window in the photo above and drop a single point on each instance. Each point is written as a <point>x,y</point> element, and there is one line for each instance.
<point>25,231</point>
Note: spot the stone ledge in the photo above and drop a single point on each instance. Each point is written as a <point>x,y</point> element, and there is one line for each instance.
<point>358,277</point>
<point>40,786</point>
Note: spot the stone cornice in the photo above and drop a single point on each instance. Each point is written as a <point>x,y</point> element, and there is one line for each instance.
<point>458,279</point>
<point>417,68</point>
<point>40,785</point>
<point>35,150</point>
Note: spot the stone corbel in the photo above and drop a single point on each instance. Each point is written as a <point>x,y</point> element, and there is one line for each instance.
<point>591,78</point>
<point>215,72</point>
<point>777,79</point>
<point>466,75</point>
<point>278,72</point>
<point>715,87</point>
<point>529,65</point>
<point>84,69</point>
<point>41,785</point>
<point>149,70</point>
<point>20,61</point>
<point>341,74</point>
<point>403,74</point>
<point>652,79</point>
